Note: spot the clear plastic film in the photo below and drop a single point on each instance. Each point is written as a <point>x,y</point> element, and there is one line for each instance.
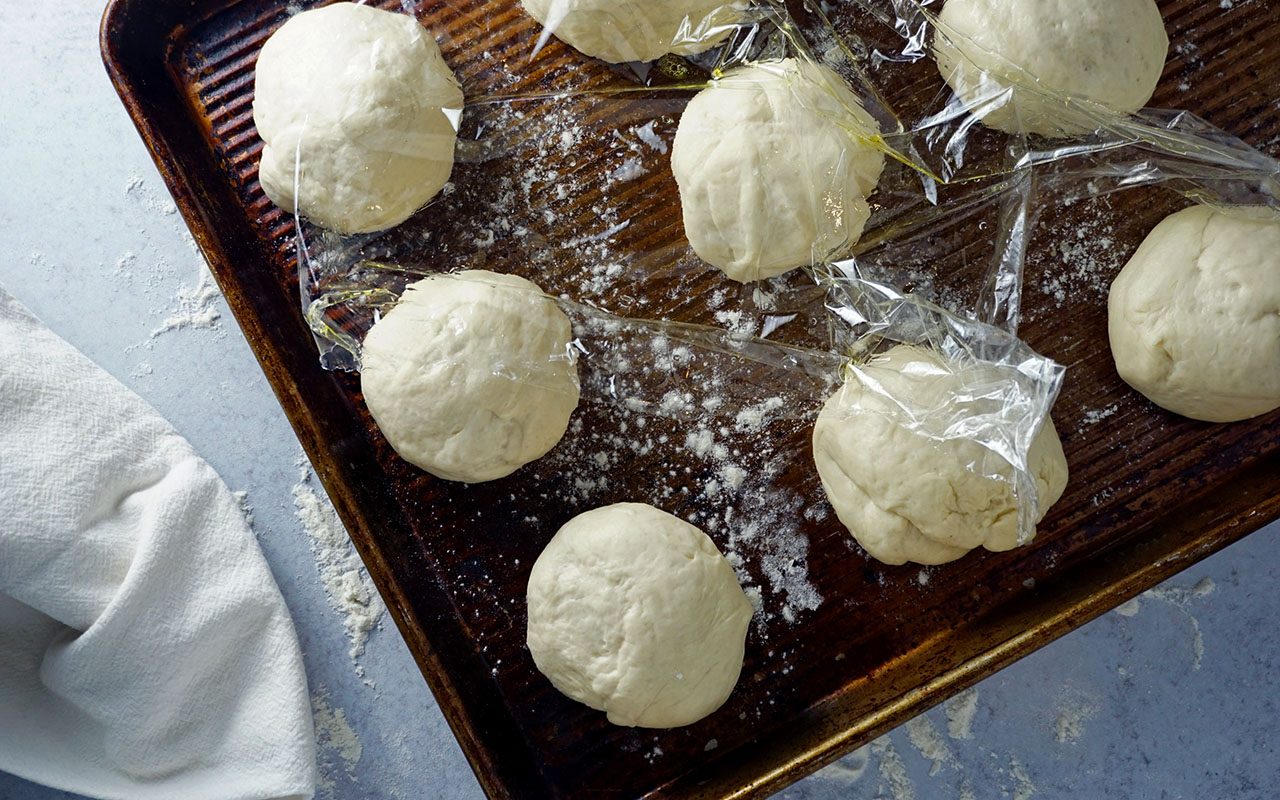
<point>997,391</point>
<point>563,175</point>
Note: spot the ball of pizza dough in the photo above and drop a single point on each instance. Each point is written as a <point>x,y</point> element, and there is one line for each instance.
<point>621,31</point>
<point>1109,51</point>
<point>774,167</point>
<point>1194,317</point>
<point>350,103</point>
<point>905,496</point>
<point>470,375</point>
<point>635,612</point>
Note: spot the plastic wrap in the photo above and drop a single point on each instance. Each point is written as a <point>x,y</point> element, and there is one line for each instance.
<point>563,176</point>
<point>1004,390</point>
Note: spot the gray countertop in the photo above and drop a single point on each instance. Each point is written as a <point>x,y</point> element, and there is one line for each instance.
<point>1173,695</point>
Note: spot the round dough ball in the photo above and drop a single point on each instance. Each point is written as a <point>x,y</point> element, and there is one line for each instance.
<point>1109,51</point>
<point>353,97</point>
<point>635,612</point>
<point>621,31</point>
<point>470,376</point>
<point>906,497</point>
<point>1194,317</point>
<point>771,169</point>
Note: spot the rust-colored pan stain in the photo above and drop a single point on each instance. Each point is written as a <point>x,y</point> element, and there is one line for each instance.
<point>1150,493</point>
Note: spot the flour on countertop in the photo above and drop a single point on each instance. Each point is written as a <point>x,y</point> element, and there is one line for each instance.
<point>961,711</point>
<point>346,582</point>
<point>1130,607</point>
<point>848,769</point>
<point>1180,599</point>
<point>338,748</point>
<point>1023,788</point>
<point>892,772</point>
<point>194,305</point>
<point>246,508</point>
<point>926,739</point>
<point>156,202</point>
<point>1072,715</point>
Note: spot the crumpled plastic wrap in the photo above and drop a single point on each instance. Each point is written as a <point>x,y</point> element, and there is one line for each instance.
<point>563,176</point>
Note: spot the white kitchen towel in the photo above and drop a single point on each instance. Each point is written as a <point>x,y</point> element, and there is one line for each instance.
<point>145,650</point>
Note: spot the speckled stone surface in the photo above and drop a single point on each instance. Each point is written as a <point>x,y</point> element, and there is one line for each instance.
<point>1176,695</point>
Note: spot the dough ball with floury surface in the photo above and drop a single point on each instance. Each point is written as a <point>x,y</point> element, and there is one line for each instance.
<point>471,376</point>
<point>351,102</point>
<point>635,612</point>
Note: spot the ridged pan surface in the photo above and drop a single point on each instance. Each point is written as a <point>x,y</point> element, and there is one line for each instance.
<point>844,646</point>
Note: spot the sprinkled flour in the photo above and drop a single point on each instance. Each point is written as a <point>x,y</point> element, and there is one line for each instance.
<point>926,738</point>
<point>850,768</point>
<point>892,772</point>
<point>711,449</point>
<point>1072,715</point>
<point>1180,599</point>
<point>1023,788</point>
<point>1083,259</point>
<point>338,748</point>
<point>348,586</point>
<point>961,711</point>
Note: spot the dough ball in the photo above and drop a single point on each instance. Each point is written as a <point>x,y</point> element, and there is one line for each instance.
<point>621,31</point>
<point>906,497</point>
<point>1194,317</point>
<point>469,376</point>
<point>353,97</point>
<point>1109,51</point>
<point>771,171</point>
<point>634,612</point>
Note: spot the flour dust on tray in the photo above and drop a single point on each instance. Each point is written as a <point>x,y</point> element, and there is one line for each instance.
<point>713,451</point>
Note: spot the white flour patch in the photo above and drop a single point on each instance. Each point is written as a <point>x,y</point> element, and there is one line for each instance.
<point>1023,788</point>
<point>646,134</point>
<point>628,170</point>
<point>1084,258</point>
<point>155,202</point>
<point>193,307</point>
<point>246,508</point>
<point>892,772</point>
<point>1095,415</point>
<point>709,448</point>
<point>849,769</point>
<point>961,711</point>
<point>1180,598</point>
<point>1130,607</point>
<point>1072,715</point>
<point>926,739</point>
<point>346,582</point>
<point>338,748</point>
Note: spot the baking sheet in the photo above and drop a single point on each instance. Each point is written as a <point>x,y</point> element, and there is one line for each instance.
<point>847,646</point>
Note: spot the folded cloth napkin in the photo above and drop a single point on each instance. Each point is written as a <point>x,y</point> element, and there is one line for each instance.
<point>145,650</point>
